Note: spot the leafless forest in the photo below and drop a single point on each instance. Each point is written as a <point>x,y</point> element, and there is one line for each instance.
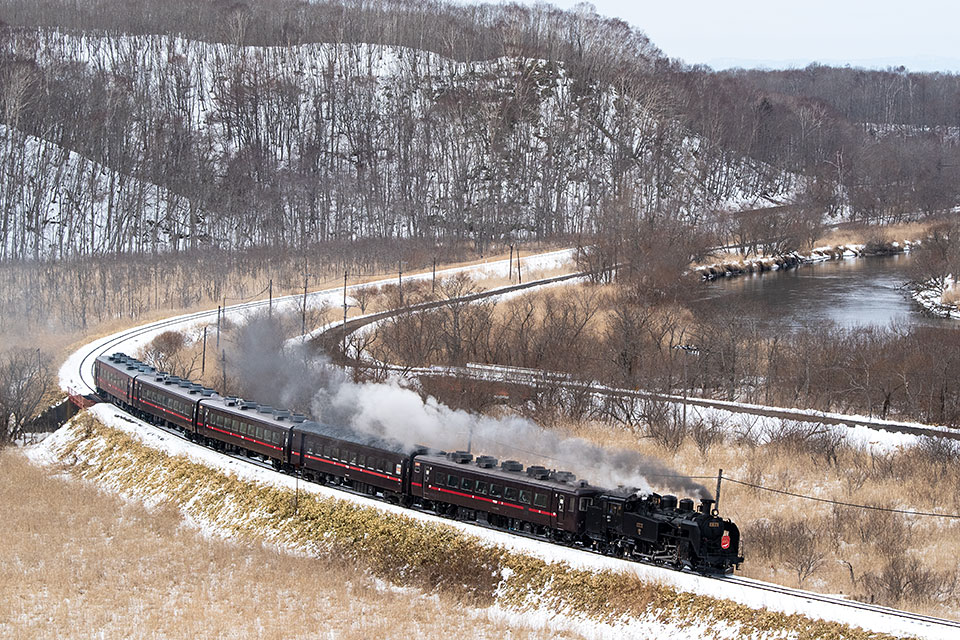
<point>167,156</point>
<point>133,127</point>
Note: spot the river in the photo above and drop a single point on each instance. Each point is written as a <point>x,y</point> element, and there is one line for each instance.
<point>850,293</point>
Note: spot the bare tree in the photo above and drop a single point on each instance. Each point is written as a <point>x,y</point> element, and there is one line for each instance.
<point>24,381</point>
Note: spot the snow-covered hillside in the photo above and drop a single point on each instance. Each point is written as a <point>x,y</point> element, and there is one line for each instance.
<point>257,144</point>
<point>58,203</point>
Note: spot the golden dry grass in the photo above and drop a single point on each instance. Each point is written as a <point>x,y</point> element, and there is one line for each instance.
<point>352,541</point>
<point>854,543</point>
<point>78,563</point>
<point>907,231</point>
<point>951,295</point>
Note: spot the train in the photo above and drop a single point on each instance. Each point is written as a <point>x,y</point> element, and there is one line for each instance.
<point>545,503</point>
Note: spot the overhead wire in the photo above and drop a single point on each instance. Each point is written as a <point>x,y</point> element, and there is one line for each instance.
<point>840,503</point>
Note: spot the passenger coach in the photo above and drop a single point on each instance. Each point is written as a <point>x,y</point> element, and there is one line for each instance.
<point>539,501</point>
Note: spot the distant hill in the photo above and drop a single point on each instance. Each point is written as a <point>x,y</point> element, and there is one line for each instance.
<point>283,122</point>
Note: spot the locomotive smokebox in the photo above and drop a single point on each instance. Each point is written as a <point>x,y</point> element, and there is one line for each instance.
<point>706,506</point>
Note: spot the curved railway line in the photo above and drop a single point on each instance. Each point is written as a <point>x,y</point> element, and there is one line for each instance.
<point>80,364</point>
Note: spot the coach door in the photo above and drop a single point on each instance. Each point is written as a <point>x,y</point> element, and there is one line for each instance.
<point>562,508</point>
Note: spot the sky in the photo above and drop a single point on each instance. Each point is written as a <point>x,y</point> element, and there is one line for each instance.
<point>919,34</point>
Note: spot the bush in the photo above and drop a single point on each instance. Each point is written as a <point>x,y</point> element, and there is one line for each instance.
<point>904,579</point>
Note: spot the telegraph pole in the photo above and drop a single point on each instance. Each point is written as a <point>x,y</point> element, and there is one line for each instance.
<point>519,277</point>
<point>203,358</point>
<point>716,503</point>
<point>303,317</point>
<point>344,313</point>
<point>270,287</point>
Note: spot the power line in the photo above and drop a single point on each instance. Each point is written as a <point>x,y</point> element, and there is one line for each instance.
<point>842,504</point>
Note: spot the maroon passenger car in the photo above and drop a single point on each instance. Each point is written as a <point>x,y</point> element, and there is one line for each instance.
<point>115,374</point>
<point>538,501</point>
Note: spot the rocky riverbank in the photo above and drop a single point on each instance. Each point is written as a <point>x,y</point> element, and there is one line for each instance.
<point>742,266</point>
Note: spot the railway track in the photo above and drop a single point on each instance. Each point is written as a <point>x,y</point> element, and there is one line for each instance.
<point>329,342</point>
<point>942,623</point>
<point>939,627</point>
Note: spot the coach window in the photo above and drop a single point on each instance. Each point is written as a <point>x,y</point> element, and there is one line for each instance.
<point>259,433</point>
<point>524,496</point>
<point>481,487</point>
<point>540,500</point>
<point>335,453</point>
<point>510,493</point>
<point>585,503</point>
<point>381,464</point>
<point>496,490</point>
<point>453,481</point>
<point>353,457</point>
<point>466,484</point>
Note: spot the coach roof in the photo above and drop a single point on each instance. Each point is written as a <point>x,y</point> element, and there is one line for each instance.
<point>356,437</point>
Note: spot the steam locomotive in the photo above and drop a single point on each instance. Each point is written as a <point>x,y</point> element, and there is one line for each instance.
<point>545,503</point>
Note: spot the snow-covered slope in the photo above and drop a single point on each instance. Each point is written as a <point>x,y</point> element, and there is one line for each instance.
<point>357,140</point>
<point>57,203</point>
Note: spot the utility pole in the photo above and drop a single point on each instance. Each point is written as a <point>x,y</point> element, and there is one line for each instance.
<point>223,369</point>
<point>716,503</point>
<point>203,358</point>
<point>519,277</point>
<point>400,279</point>
<point>684,393</point>
<point>270,287</point>
<point>344,313</point>
<point>510,268</point>
<point>303,317</point>
<point>219,311</point>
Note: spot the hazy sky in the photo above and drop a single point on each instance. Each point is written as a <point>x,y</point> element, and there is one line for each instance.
<point>924,35</point>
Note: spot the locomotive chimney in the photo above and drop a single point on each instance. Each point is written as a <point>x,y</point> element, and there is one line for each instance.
<point>706,506</point>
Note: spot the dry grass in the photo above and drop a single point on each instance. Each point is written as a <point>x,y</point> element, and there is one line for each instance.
<point>114,563</point>
<point>951,295</point>
<point>889,233</point>
<point>59,332</point>
<point>81,564</point>
<point>856,546</point>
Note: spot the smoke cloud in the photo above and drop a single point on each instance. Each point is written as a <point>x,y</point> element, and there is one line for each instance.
<point>293,378</point>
